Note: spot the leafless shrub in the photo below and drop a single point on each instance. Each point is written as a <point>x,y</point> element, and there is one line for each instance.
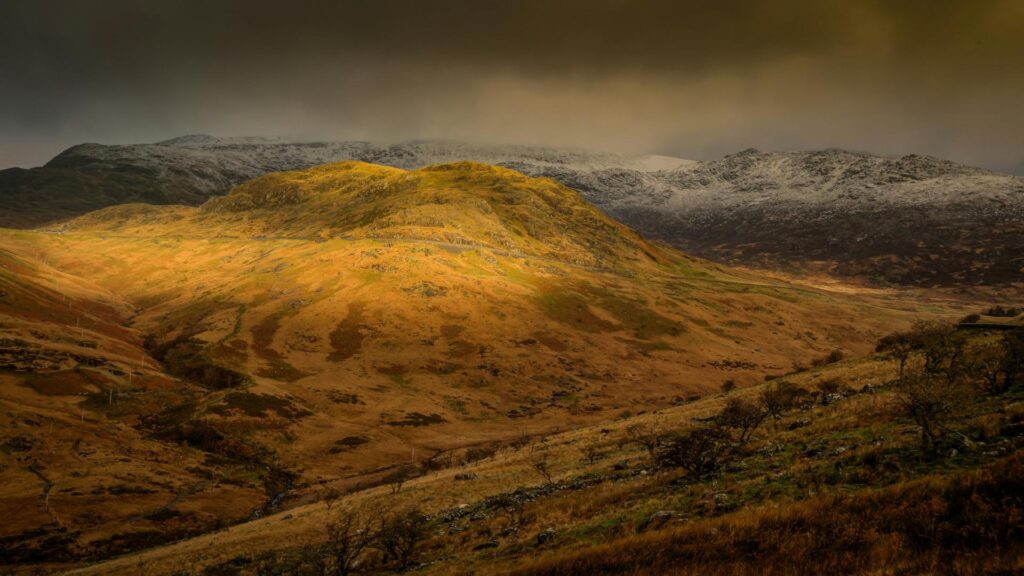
<point>742,416</point>
<point>1014,343</point>
<point>399,536</point>
<point>644,434</point>
<point>781,397</point>
<point>591,453</point>
<point>396,479</point>
<point>439,461</point>
<point>699,451</point>
<point>521,442</point>
<point>830,358</point>
<point>540,466</point>
<point>899,347</point>
<point>329,497</point>
<point>350,535</point>
<point>932,401</point>
<point>513,508</point>
<point>477,453</point>
<point>990,363</point>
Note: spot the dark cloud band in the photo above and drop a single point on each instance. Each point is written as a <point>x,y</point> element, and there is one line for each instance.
<point>794,71</point>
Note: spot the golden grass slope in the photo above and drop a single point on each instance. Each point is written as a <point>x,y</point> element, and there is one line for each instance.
<point>78,478</point>
<point>462,204</point>
<point>382,316</point>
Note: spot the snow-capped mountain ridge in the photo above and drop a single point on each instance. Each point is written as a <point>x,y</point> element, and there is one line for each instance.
<point>898,219</point>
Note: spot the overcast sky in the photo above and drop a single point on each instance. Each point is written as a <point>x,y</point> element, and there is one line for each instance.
<point>690,78</point>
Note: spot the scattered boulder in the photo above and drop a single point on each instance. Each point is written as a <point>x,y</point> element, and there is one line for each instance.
<point>486,545</point>
<point>797,424</point>
<point>456,528</point>
<point>545,536</point>
<point>716,503</point>
<point>656,520</point>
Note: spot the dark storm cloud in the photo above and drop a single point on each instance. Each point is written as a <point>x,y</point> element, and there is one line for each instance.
<point>692,78</point>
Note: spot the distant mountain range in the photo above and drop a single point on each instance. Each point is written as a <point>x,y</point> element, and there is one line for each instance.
<point>913,220</point>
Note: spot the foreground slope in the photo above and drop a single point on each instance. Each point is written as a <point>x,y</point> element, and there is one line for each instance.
<point>836,483</point>
<point>327,327</point>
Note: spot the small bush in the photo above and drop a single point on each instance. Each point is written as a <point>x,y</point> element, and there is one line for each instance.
<point>829,389</point>
<point>645,435</point>
<point>742,416</point>
<point>699,451</point>
<point>830,358</point>
<point>781,397</point>
<point>396,479</point>
<point>477,453</point>
<point>1002,312</point>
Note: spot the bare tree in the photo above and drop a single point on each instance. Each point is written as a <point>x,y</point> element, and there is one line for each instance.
<point>540,466</point>
<point>399,536</point>
<point>699,451</point>
<point>512,506</point>
<point>991,364</point>
<point>644,434</point>
<point>481,452</point>
<point>743,416</point>
<point>1014,343</point>
<point>349,536</point>
<point>931,400</point>
<point>329,497</point>
<point>440,460</point>
<point>591,453</point>
<point>781,397</point>
<point>398,478</point>
<point>899,347</point>
<point>942,347</point>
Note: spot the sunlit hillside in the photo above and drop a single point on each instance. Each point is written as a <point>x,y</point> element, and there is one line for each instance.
<point>329,328</point>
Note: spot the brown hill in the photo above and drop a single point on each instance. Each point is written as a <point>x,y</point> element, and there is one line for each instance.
<point>325,327</point>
